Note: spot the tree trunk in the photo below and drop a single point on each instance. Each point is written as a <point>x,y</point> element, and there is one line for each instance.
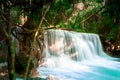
<point>10,45</point>
<point>11,59</point>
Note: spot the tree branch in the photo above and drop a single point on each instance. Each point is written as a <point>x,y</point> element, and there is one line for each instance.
<point>34,41</point>
<point>92,15</point>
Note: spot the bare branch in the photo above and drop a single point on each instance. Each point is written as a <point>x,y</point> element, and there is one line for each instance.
<point>34,41</point>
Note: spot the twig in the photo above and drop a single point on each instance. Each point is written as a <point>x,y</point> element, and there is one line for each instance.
<point>92,15</point>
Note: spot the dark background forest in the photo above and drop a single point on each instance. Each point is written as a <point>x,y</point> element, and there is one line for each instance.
<point>23,22</point>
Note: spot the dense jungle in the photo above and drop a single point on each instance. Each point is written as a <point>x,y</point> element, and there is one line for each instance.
<point>23,24</point>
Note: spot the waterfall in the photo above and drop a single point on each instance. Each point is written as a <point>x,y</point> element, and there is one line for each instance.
<point>78,46</point>
<point>77,56</point>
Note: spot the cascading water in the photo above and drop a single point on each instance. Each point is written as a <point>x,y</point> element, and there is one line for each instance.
<point>77,56</point>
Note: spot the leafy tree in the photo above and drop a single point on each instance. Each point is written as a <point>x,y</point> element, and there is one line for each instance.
<point>10,11</point>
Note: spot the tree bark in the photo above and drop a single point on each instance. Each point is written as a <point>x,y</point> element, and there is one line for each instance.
<point>11,59</point>
<point>11,51</point>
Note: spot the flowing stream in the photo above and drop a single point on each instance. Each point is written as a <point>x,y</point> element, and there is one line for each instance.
<point>76,56</point>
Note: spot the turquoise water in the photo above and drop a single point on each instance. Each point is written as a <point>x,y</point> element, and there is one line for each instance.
<point>87,70</point>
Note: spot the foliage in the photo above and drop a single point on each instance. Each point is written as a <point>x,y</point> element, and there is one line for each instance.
<point>78,19</point>
<point>21,63</point>
<point>112,8</point>
<point>58,11</point>
<point>63,14</point>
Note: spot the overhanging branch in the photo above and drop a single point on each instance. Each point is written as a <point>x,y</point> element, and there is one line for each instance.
<point>92,15</point>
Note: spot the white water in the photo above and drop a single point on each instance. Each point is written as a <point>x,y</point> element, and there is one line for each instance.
<point>77,56</point>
